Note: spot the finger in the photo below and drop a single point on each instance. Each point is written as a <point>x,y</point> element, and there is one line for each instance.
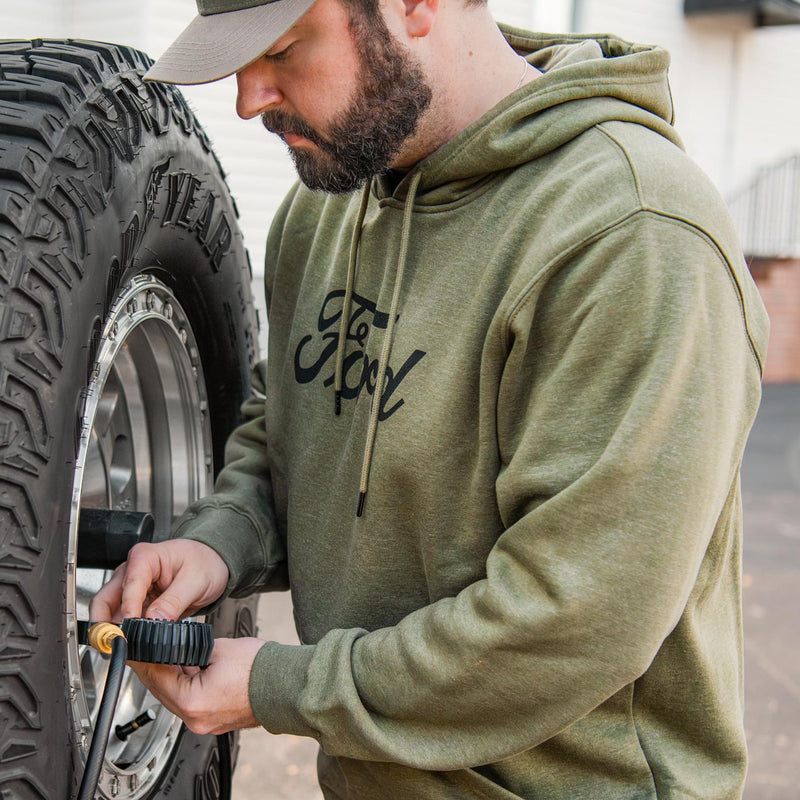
<point>143,568</point>
<point>166,683</point>
<point>179,597</point>
<point>105,605</point>
<point>180,693</point>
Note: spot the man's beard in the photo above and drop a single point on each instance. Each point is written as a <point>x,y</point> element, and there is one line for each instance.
<point>363,140</point>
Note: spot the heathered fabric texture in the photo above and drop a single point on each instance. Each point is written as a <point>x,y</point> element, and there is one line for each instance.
<point>542,599</point>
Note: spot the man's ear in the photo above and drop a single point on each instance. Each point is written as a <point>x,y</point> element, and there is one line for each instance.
<point>420,16</point>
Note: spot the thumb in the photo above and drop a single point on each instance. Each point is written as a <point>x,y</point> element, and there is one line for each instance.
<point>164,681</point>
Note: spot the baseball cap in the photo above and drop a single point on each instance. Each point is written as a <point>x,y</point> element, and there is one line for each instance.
<point>225,37</point>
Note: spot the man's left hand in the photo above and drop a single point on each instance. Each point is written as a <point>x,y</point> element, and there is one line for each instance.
<point>212,700</point>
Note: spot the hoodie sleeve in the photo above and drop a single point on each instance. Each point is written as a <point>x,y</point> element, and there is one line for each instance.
<point>628,388</point>
<point>238,519</point>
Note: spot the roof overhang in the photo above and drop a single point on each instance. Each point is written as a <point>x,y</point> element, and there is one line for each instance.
<point>762,12</point>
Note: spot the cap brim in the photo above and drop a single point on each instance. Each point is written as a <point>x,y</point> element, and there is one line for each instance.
<point>217,45</point>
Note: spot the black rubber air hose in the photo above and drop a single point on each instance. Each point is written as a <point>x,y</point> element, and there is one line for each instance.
<point>225,766</point>
<point>105,715</point>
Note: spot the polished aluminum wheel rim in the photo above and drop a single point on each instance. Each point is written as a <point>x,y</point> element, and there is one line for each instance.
<point>145,445</point>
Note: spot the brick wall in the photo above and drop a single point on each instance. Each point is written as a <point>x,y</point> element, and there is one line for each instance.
<point>778,280</point>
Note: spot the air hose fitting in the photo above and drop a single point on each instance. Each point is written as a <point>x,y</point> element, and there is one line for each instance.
<point>102,634</point>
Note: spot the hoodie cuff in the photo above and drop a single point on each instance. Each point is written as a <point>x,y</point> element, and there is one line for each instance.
<point>277,681</point>
<point>232,536</point>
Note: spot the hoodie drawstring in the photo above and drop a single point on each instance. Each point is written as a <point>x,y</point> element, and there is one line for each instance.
<point>386,350</point>
<point>348,300</point>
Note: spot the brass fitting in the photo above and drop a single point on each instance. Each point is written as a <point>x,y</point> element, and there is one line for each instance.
<point>102,634</point>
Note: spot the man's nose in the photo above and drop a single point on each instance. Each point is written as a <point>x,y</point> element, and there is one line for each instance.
<point>256,90</point>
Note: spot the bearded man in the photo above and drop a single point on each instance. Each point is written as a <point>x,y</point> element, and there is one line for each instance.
<point>494,452</point>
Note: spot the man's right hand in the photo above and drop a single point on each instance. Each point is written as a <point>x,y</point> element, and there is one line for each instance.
<point>168,580</point>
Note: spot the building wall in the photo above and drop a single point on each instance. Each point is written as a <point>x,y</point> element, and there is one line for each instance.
<point>16,17</point>
<point>767,114</point>
<point>778,281</point>
<point>732,83</point>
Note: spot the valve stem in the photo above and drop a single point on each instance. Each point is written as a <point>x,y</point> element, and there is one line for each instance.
<point>124,731</point>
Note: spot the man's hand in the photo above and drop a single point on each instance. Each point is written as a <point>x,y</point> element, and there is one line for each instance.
<point>168,580</point>
<point>212,700</point>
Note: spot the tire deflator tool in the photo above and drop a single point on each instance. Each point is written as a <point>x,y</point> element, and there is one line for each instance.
<point>153,641</point>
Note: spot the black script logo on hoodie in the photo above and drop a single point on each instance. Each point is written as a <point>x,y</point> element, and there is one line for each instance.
<point>317,351</point>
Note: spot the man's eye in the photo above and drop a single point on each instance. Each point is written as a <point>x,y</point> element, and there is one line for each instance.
<point>281,55</point>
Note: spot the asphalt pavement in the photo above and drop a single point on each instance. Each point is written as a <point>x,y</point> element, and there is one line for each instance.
<point>771,565</point>
<point>282,767</point>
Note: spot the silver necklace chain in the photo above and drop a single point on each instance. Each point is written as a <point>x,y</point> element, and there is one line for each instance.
<point>524,73</point>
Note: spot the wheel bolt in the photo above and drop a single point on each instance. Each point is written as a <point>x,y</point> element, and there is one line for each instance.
<point>124,731</point>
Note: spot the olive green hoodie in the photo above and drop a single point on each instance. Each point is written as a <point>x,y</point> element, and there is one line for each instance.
<point>541,598</point>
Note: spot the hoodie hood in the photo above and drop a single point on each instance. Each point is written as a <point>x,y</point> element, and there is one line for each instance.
<point>586,80</point>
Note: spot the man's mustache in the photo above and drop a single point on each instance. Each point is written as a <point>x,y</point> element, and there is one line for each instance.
<point>281,123</point>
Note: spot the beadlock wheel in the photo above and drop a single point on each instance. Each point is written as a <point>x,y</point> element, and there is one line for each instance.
<point>145,445</point>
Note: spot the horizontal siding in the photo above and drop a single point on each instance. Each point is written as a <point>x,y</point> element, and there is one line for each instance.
<point>768,112</point>
<point>108,20</point>
<point>32,19</point>
<point>734,86</point>
<point>537,15</point>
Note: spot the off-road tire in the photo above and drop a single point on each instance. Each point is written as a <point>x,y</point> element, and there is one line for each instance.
<point>104,179</point>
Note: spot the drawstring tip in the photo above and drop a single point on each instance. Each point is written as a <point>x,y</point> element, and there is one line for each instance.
<point>362,498</point>
<point>337,403</point>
